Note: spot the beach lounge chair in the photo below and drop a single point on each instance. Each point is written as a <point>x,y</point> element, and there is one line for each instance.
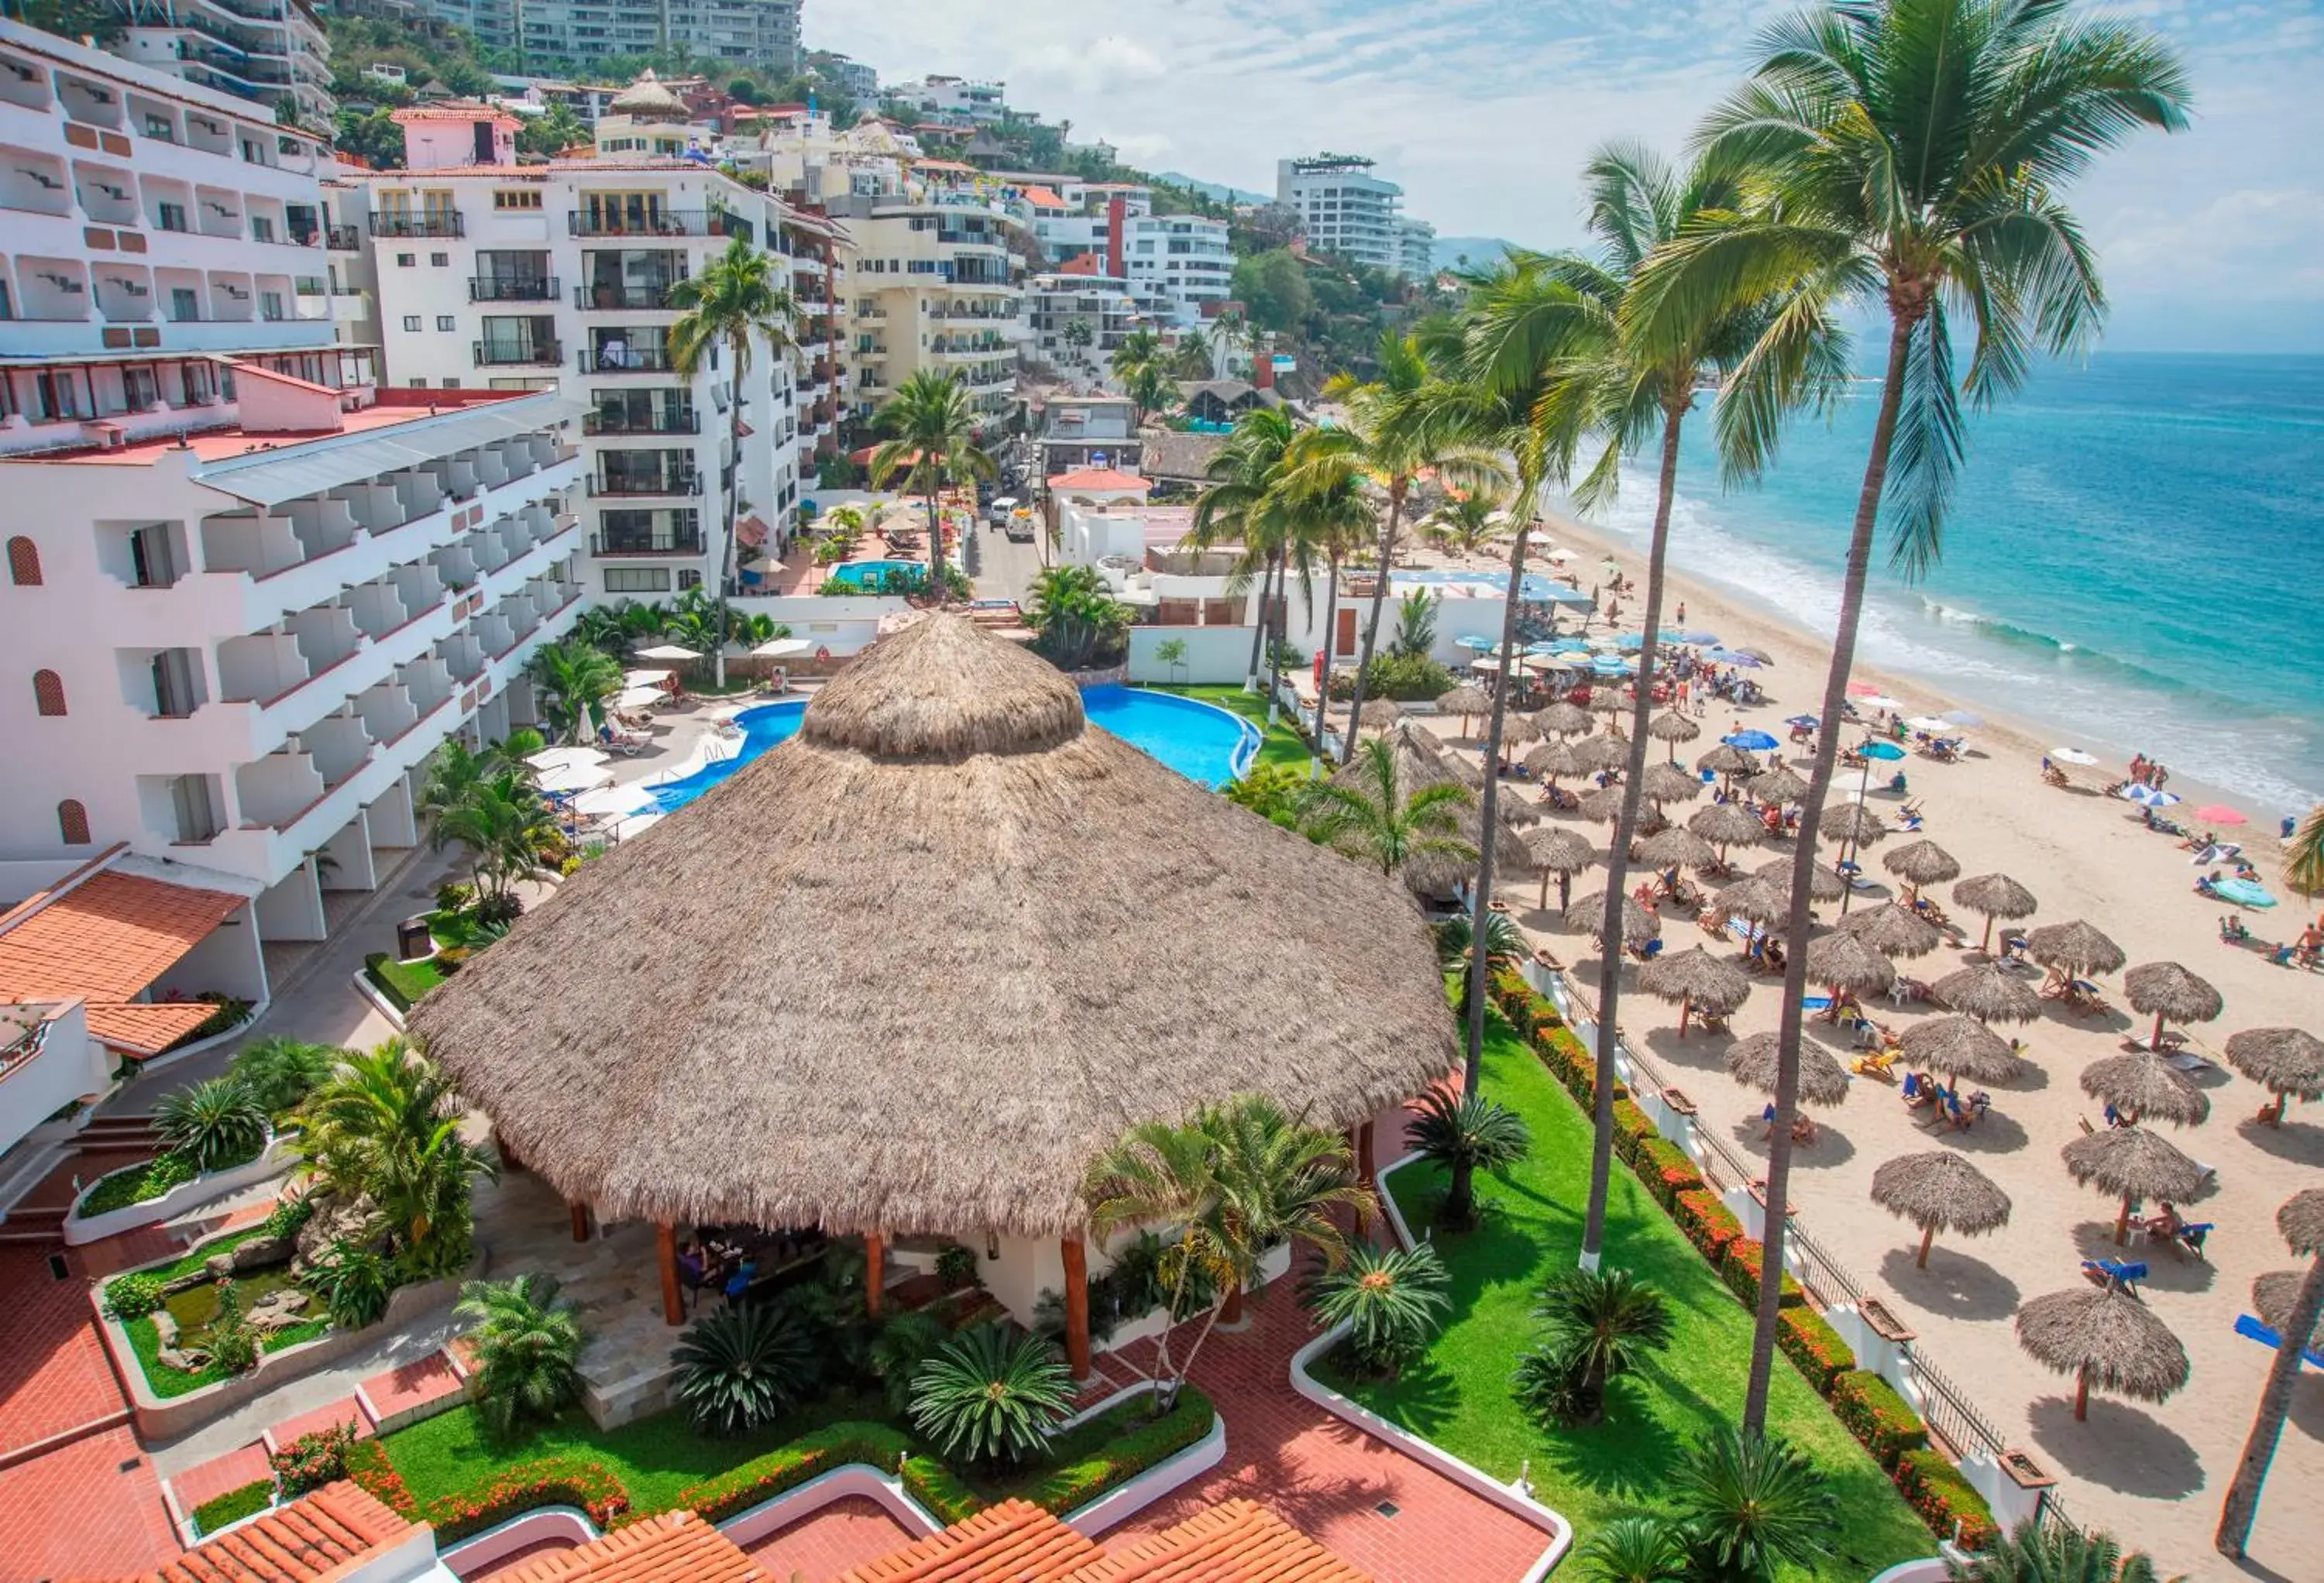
<point>2114,1272</point>
<point>2188,1062</point>
<point>2251,1329</point>
<point>1877,1063</point>
<point>2191,1238</point>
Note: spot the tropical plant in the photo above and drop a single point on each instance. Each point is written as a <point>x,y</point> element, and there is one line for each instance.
<point>1078,621</point>
<point>931,444</point>
<point>1079,333</point>
<point>1171,652</point>
<point>1374,819</point>
<point>2297,1220</point>
<point>231,1340</point>
<point>502,821</point>
<point>1465,1134</point>
<point>745,1365</point>
<point>1466,522</point>
<point>1242,506</point>
<point>386,1126</point>
<point>1190,360</point>
<point>133,1295</point>
<point>1142,363</point>
<point>991,1395</point>
<point>571,682</point>
<point>1271,791</point>
<point>1506,946</point>
<point>1750,1506</point>
<point>1326,516</point>
<point>1392,1298</point>
<point>2303,859</point>
<point>215,1123</point>
<point>2059,1552</point>
<point>1415,625</point>
<point>312,1460</point>
<point>354,1281</point>
<point>1597,1325</point>
<point>905,1342</point>
<point>1640,1548</point>
<point>528,1349</point>
<point>1917,150</point>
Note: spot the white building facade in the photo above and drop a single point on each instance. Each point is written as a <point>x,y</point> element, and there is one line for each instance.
<point>1343,208</point>
<point>952,101</point>
<point>1416,245</point>
<point>261,51</point>
<point>1182,258</point>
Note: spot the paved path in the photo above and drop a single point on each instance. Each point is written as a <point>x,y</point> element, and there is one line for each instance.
<point>93,1508</point>
<point>54,1376</point>
<point>845,1534</point>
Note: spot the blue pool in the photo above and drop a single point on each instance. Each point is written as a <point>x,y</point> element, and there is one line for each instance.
<point>1199,741</point>
<point>868,574</point>
<point>1537,589</point>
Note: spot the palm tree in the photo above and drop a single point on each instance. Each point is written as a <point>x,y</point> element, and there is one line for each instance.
<point>503,820</point>
<point>2057,1554</point>
<point>1750,1506</point>
<point>527,1348</point>
<point>1466,522</point>
<point>572,681</point>
<point>1242,506</point>
<point>1080,621</point>
<point>1637,1549</point>
<point>931,444</point>
<point>1599,1325</point>
<point>734,301</point>
<point>1165,1175</point>
<point>1505,945</point>
<point>1326,516</point>
<point>2300,1219</point>
<point>1773,356</point>
<point>1391,1299</point>
<point>1373,818</point>
<point>2303,860</point>
<point>386,1126</point>
<point>991,1396</point>
<point>1916,148</point>
<point>1142,363</point>
<point>1466,1134</point>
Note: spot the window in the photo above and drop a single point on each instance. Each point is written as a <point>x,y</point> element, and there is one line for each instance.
<point>140,390</point>
<point>196,810</point>
<point>48,692</point>
<point>688,578</point>
<point>419,384</point>
<point>269,307</point>
<point>174,684</point>
<point>72,823</point>
<point>262,229</point>
<point>185,308</point>
<point>170,217</point>
<point>152,557</point>
<point>445,321</point>
<point>637,579</point>
<point>527,199</point>
<point>451,385</point>
<point>440,259</point>
<point>404,260</point>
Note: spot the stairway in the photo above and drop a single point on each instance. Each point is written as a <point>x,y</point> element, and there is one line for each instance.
<point>107,1144</point>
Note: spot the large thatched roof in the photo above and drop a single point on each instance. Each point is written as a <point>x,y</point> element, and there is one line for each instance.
<point>1548,762</point>
<point>1673,727</point>
<point>1753,899</point>
<point>2284,1061</point>
<point>2131,1161</point>
<point>1961,1046</point>
<point>1727,824</point>
<point>1921,862</point>
<point>1849,963</point>
<point>1823,885</point>
<point>1776,785</point>
<point>1639,924</point>
<point>1752,1062</point>
<point>1994,896</point>
<point>2145,1087</point>
<point>1592,754</point>
<point>1562,720</point>
<point>1940,1191</point>
<point>1852,822</point>
<point>1556,850</point>
<point>1675,848</point>
<point>914,968</point>
<point>1667,783</point>
<point>2108,1338</point>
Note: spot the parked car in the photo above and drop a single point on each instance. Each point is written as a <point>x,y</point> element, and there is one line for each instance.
<point>999,509</point>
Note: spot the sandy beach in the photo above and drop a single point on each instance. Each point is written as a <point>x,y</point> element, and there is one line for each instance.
<point>2154,1474</point>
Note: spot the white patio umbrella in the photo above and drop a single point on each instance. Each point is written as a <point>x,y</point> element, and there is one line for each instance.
<point>614,801</point>
<point>2072,756</point>
<point>782,648</point>
<point>640,697</point>
<point>645,679</point>
<point>668,651</point>
<point>575,778</point>
<point>554,758</point>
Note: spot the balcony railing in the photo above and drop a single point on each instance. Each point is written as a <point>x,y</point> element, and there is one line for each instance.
<point>685,483</point>
<point>605,298</point>
<point>343,239</point>
<point>621,544</point>
<point>435,223</point>
<point>629,360</point>
<point>536,289</point>
<point>597,423</point>
<point>659,223</point>
<point>536,354</point>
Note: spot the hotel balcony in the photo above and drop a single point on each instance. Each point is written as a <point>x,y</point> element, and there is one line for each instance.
<point>659,223</point>
<point>607,298</point>
<point>628,359</point>
<point>518,354</point>
<point>614,421</point>
<point>664,541</point>
<point>342,238</point>
<point>542,289</point>
<point>684,480</point>
<point>434,223</point>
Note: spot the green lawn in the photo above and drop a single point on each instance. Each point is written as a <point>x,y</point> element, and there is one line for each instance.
<point>1280,745</point>
<point>1459,1397</point>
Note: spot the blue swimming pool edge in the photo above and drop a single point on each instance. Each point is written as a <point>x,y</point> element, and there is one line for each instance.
<point>1239,762</point>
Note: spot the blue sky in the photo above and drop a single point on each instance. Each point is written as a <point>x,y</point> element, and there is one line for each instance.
<point>1485,109</point>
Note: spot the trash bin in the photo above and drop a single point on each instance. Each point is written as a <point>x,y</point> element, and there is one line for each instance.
<point>412,940</point>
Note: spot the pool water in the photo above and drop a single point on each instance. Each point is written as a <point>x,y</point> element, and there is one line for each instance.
<point>868,574</point>
<point>1202,741</point>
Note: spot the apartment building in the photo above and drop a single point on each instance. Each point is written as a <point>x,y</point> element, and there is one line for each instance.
<point>1184,259</point>
<point>494,23</point>
<point>1416,248</point>
<point>1343,208</point>
<point>952,101</point>
<point>1104,305</point>
<point>499,276</point>
<point>1070,217</point>
<point>261,51</point>
<point>745,32</point>
<point>853,77</point>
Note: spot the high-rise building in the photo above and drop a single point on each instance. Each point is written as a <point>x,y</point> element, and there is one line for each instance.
<point>1343,208</point>
<point>1415,249</point>
<point>857,80</point>
<point>952,101</point>
<point>262,51</point>
<point>1182,258</point>
<point>763,33</point>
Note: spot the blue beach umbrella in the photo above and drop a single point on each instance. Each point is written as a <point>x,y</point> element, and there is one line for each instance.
<point>1611,665</point>
<point>1881,751</point>
<point>1756,742</point>
<point>2148,796</point>
<point>1699,639</point>
<point>1809,721</point>
<point>1632,642</point>
<point>1733,657</point>
<point>1477,642</point>
<point>2243,893</point>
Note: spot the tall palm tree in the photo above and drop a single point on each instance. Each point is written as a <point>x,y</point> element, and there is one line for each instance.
<point>2303,860</point>
<point>1142,363</point>
<point>1917,149</point>
<point>572,681</point>
<point>931,443</point>
<point>1374,819</point>
<point>735,301</point>
<point>386,1126</point>
<point>2301,1222</point>
<point>1467,522</point>
<point>1242,505</point>
<point>503,820</point>
<point>1325,518</point>
<point>1772,354</point>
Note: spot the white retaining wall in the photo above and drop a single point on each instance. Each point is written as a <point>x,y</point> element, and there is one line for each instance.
<point>271,1161</point>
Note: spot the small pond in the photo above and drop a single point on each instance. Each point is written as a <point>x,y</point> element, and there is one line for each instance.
<point>197,1306</point>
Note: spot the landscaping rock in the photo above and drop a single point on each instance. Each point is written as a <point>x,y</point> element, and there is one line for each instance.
<point>205,1276</point>
<point>165,1326</point>
<point>187,1361</point>
<point>335,1219</point>
<point>260,1253</point>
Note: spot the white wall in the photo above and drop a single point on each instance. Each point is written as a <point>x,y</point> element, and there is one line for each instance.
<point>70,1064</point>
<point>844,625</point>
<point>1214,654</point>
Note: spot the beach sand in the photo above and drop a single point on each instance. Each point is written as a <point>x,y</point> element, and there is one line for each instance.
<point>2154,1474</point>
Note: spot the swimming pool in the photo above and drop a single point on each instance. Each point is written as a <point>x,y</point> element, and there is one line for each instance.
<point>868,574</point>
<point>1537,589</point>
<point>1202,741</point>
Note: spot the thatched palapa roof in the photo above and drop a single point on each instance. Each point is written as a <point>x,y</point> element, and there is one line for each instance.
<point>1852,822</point>
<point>1994,896</point>
<point>1754,900</point>
<point>1667,783</point>
<point>2284,1061</point>
<point>1961,1046</point>
<point>1727,824</point>
<point>1893,930</point>
<point>2301,1220</point>
<point>1727,759</point>
<point>2074,946</point>
<point>2145,1087</point>
<point>1846,962</point>
<point>1696,979</point>
<point>1595,753</point>
<point>1987,994</point>
<point>913,968</point>
<point>1671,726</point>
<point>1776,785</point>
<point>2134,1162</point>
<point>1823,885</point>
<point>1550,760</point>
<point>1639,924</point>
<point>2104,1336</point>
<point>1921,862</point>
<point>1940,1191</point>
<point>2164,989</point>
<point>1562,720</point>
<point>1752,1063</point>
<point>1379,712</point>
<point>2274,1296</point>
<point>1675,848</point>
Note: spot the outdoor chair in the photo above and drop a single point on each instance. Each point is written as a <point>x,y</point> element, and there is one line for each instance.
<point>2253,1330</point>
<point>2105,1272</point>
<point>2192,1238</point>
<point>1875,1063</point>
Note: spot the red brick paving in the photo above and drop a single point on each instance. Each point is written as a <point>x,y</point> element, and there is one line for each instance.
<point>58,1188</point>
<point>150,1244</point>
<point>346,1410</point>
<point>846,1534</point>
<point>409,1385</point>
<point>206,1481</point>
<point>75,1512</point>
<point>510,1564</point>
<point>54,1375</point>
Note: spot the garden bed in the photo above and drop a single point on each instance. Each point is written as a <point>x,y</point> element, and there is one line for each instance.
<point>403,982</point>
<point>145,1336</point>
<point>160,1189</point>
<point>232,1506</point>
<point>1457,1396</point>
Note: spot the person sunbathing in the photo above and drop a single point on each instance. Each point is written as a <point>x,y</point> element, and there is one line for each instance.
<point>2164,1223</point>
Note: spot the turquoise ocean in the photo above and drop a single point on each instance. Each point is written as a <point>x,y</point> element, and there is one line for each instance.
<point>2134,561</point>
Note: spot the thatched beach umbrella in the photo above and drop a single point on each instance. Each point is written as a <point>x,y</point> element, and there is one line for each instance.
<point>1752,899</point>
<point>1380,713</point>
<point>759,1045</point>
<point>1520,729</point>
<point>1851,822</point>
<point>1961,1048</point>
<point>2074,947</point>
<point>1695,980</point>
<point>1848,966</point>
<point>1994,896</point>
<point>1639,924</point>
<point>1940,1191</point>
<point>1752,1063</point>
<point>1674,848</point>
<point>1592,754</point>
<point>1467,701</point>
<point>2169,992</point>
<point>1556,850</point>
<point>1422,760</point>
<point>1823,885</point>
<point>1604,805</point>
<point>1777,786</point>
<point>2104,1336</point>
<point>1562,718</point>
<point>1727,824</point>
<point>1672,727</point>
<point>2145,1088</point>
<point>2275,1298</point>
<point>1551,760</point>
<point>2134,1164</point>
<point>1920,862</point>
<point>1893,930</point>
<point>1609,702</point>
<point>1987,994</point>
<point>1667,783</point>
<point>1727,759</point>
<point>2286,1062</point>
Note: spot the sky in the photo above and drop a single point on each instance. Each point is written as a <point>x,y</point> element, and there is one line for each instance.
<point>1484,110</point>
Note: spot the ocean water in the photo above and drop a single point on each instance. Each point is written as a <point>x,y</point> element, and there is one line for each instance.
<point>2132,560</point>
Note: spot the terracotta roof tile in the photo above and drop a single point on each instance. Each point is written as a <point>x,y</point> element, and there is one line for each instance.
<point>676,1547</point>
<point>306,1540</point>
<point>107,938</point>
<point>1015,1541</point>
<point>1099,478</point>
<point>1241,1542</point>
<point>146,1029</point>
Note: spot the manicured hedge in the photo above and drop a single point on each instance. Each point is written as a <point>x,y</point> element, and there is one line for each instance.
<point>1935,1488</point>
<point>1708,1223</point>
<point>1744,1268</point>
<point>1075,1484</point>
<point>137,1184</point>
<point>1631,1130</point>
<point>509,1492</point>
<point>1813,1346</point>
<point>1666,1171</point>
<point>403,982</point>
<point>1876,1414</point>
<point>232,1506</point>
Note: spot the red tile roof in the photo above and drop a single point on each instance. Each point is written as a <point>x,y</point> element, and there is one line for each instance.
<point>676,1547</point>
<point>1099,478</point>
<point>1241,1542</point>
<point>106,939</point>
<point>1043,197</point>
<point>305,1541</point>
<point>146,1029</point>
<point>1015,1541</point>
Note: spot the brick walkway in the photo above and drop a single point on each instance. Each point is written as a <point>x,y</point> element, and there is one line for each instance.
<point>53,1372</point>
<point>1326,1478</point>
<point>79,1512</point>
<point>818,1548</point>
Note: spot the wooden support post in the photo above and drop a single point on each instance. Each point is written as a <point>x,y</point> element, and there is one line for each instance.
<point>1367,1158</point>
<point>875,1272</point>
<point>580,1223</point>
<point>1077,1326</point>
<point>673,1295</point>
